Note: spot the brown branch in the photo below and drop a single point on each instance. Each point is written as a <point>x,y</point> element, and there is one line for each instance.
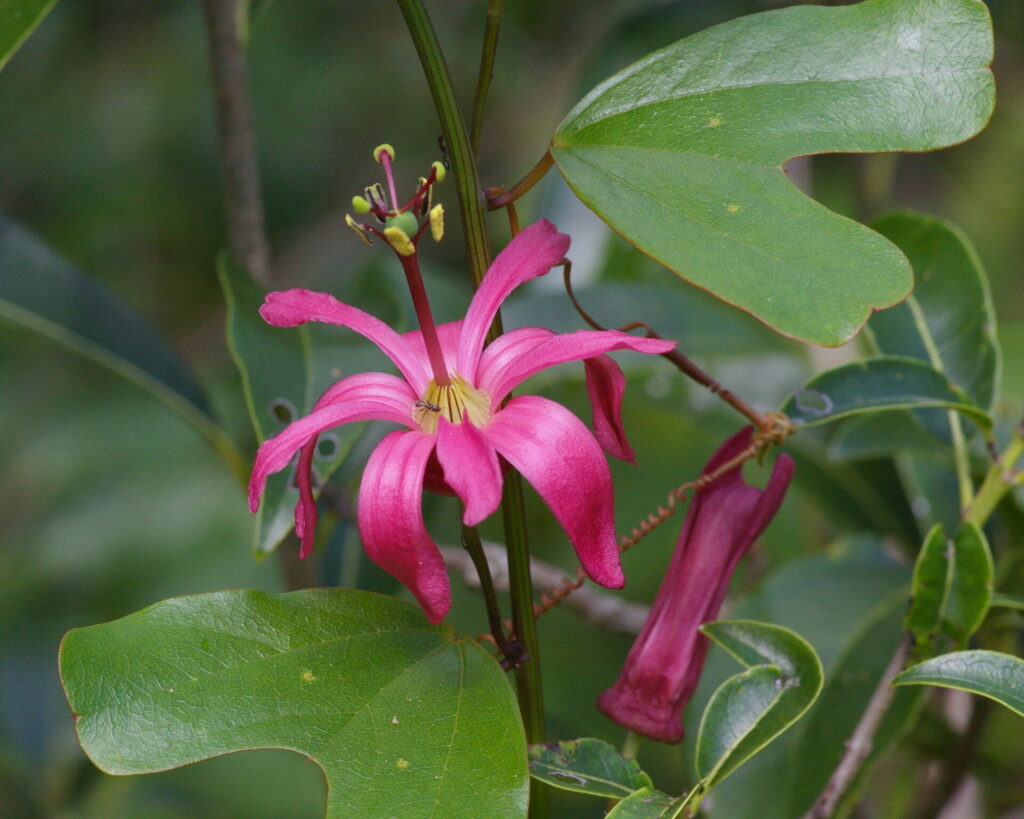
<point>236,142</point>
<point>598,607</point>
<point>859,745</point>
<point>498,198</point>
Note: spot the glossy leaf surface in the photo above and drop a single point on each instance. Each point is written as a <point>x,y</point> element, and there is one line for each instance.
<point>404,719</point>
<point>989,673</point>
<point>682,152</point>
<point>952,585</point>
<point>782,680</point>
<point>948,321</point>
<point>587,766</point>
<point>646,804</point>
<point>876,384</point>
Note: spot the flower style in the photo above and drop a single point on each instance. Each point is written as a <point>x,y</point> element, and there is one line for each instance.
<point>456,430</point>
<point>664,664</point>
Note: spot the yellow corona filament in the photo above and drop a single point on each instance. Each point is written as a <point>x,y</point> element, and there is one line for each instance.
<point>400,241</point>
<point>454,401</point>
<point>437,222</point>
<point>352,223</point>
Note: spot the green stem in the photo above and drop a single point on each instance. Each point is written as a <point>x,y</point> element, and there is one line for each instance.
<point>456,138</point>
<point>483,80</point>
<point>531,701</point>
<point>472,544</point>
<point>528,681</point>
<point>631,745</point>
<point>998,481</point>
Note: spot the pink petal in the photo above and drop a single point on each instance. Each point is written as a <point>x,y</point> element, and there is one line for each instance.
<point>380,387</point>
<point>470,467</point>
<point>557,454</point>
<point>391,520</point>
<point>290,308</point>
<point>275,453</point>
<point>606,385</point>
<point>502,376</point>
<point>447,335</point>
<point>504,353</point>
<point>533,252</point>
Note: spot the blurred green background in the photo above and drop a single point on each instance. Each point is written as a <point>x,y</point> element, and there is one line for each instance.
<point>110,502</point>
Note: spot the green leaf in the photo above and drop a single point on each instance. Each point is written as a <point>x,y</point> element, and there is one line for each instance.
<point>782,680</point>
<point>587,766</point>
<point>682,152</point>
<point>276,370</point>
<point>876,384</point>
<point>952,585</point>
<point>42,292</point>
<point>1004,601</point>
<point>403,718</point>
<point>18,19</point>
<point>948,321</point>
<point>879,435</point>
<point>990,673</point>
<point>646,804</point>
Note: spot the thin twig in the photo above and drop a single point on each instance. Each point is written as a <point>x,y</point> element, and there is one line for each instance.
<point>600,608</point>
<point>236,141</point>
<point>761,421</point>
<point>859,745</point>
<point>498,198</point>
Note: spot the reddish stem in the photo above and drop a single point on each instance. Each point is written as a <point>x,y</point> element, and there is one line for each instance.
<point>411,266</point>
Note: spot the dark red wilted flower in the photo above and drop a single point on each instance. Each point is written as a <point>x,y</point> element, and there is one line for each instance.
<point>665,662</point>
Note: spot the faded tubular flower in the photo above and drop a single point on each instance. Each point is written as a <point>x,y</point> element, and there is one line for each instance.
<point>456,429</point>
<point>665,663</point>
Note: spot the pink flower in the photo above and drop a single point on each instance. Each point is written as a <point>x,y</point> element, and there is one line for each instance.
<point>455,434</point>
<point>665,662</point>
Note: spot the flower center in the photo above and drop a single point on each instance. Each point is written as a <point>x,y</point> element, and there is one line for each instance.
<point>453,400</point>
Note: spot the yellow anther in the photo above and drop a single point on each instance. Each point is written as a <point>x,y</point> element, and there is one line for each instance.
<point>400,241</point>
<point>382,149</point>
<point>456,401</point>
<point>360,205</point>
<point>437,222</point>
<point>439,171</point>
<point>352,223</point>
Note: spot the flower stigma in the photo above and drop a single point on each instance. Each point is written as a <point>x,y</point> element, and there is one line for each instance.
<point>455,400</point>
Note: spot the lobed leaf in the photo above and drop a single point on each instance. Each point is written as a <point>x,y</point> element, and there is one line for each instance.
<point>403,718</point>
<point>682,152</point>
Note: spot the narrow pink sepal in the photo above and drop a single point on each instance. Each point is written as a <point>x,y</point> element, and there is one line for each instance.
<point>305,508</point>
<point>470,467</point>
<point>275,453</point>
<point>562,460</point>
<point>290,308</point>
<point>559,349</point>
<point>606,385</point>
<point>391,520</point>
<point>532,253</point>
<point>377,387</point>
